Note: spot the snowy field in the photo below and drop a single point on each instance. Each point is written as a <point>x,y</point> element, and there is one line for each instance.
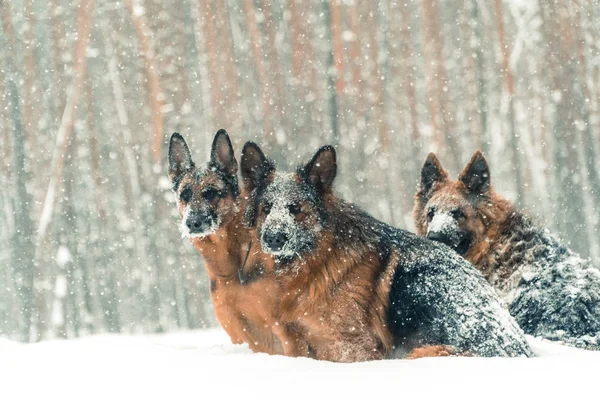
<point>204,364</point>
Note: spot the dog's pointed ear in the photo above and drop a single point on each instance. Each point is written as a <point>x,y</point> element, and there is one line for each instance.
<point>321,170</point>
<point>255,171</point>
<point>432,172</point>
<point>180,159</point>
<point>476,175</point>
<point>221,153</point>
<point>255,166</point>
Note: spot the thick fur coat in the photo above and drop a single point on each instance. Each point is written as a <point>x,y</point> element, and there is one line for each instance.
<point>242,286</point>
<point>356,289</point>
<point>551,291</point>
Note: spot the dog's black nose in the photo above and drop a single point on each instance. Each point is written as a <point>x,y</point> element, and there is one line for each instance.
<point>275,240</point>
<point>195,223</point>
<point>438,237</point>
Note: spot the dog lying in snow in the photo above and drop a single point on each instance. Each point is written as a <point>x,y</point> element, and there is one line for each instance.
<point>356,289</point>
<point>551,291</point>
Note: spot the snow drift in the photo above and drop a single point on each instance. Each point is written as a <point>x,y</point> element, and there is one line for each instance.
<point>203,364</point>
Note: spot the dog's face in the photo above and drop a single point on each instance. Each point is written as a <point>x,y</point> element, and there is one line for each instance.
<point>453,212</point>
<point>206,196</point>
<point>289,212</point>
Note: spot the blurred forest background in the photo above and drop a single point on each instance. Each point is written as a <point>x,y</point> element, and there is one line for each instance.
<point>91,91</point>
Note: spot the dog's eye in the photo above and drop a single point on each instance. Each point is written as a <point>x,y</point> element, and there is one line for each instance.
<point>430,213</point>
<point>267,208</point>
<point>457,214</point>
<point>186,195</point>
<point>295,209</point>
<point>210,194</point>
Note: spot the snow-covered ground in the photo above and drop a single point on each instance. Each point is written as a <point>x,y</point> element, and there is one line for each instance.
<point>204,364</point>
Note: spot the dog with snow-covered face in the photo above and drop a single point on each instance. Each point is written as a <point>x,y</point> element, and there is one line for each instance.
<point>551,291</point>
<point>356,289</point>
<point>242,287</point>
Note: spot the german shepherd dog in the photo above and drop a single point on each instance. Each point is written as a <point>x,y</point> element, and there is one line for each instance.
<point>356,289</point>
<point>209,203</point>
<point>551,291</point>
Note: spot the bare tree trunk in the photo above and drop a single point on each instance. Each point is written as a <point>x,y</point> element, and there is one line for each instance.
<point>594,44</point>
<point>386,150</point>
<point>57,17</point>
<point>336,44</point>
<point>429,36</point>
<point>510,89</point>
<point>100,202</point>
<point>298,90</point>
<point>355,63</point>
<point>155,96</point>
<point>131,182</point>
<point>561,60</point>
<point>68,119</point>
<point>304,62</point>
<point>376,79</point>
<point>23,247</point>
<point>589,161</point>
<point>273,60</point>
<point>212,55</point>
<point>29,72</point>
<point>316,91</point>
<point>438,84</point>
<point>412,149</point>
<point>263,81</point>
<point>410,81</point>
<point>335,64</point>
<point>67,281</point>
<point>230,107</point>
<point>296,36</point>
<point>84,26</point>
<point>477,44</point>
<point>356,91</point>
<point>103,253</point>
<point>200,39</point>
<point>5,127</point>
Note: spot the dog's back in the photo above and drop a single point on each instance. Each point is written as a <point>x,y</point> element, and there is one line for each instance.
<point>437,297</point>
<point>552,291</point>
<point>434,296</point>
<point>355,286</point>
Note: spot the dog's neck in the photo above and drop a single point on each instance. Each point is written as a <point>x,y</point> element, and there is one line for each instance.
<point>341,285</point>
<point>509,241</point>
<point>487,240</point>
<point>311,274</point>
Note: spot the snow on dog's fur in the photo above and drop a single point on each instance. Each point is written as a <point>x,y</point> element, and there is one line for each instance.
<point>242,288</point>
<point>551,291</point>
<point>356,289</point>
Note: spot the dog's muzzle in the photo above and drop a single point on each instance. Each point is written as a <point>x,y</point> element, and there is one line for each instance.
<point>274,241</point>
<point>459,241</point>
<point>198,223</point>
<point>444,228</point>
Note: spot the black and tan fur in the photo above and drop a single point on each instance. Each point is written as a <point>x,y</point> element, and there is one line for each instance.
<point>242,287</point>
<point>551,291</point>
<point>356,289</point>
